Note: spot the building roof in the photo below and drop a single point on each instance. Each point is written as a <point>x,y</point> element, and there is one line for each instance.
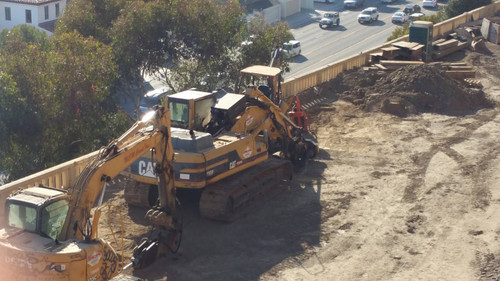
<point>31,2</point>
<point>48,25</point>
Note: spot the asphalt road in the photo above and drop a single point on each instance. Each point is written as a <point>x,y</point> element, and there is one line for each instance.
<point>323,46</point>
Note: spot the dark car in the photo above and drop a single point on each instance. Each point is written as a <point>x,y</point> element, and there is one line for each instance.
<point>412,8</point>
<point>353,3</point>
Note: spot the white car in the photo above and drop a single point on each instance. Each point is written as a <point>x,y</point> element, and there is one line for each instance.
<point>429,3</point>
<point>248,41</point>
<point>369,14</point>
<point>400,17</point>
<point>329,19</point>
<point>291,48</point>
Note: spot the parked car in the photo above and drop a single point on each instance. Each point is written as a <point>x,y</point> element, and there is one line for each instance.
<point>329,19</point>
<point>291,48</point>
<point>353,3</point>
<point>416,16</point>
<point>400,17</point>
<point>369,14</point>
<point>429,3</point>
<point>153,98</point>
<point>248,41</point>
<point>387,1</point>
<point>412,8</point>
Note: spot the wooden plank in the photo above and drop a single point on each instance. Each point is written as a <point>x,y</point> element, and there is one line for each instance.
<point>400,62</point>
<point>460,74</point>
<point>390,52</point>
<point>390,48</point>
<point>443,53</point>
<point>438,41</point>
<point>459,67</point>
<point>405,45</point>
<point>419,47</point>
<point>446,45</point>
<point>454,64</point>
<point>379,66</point>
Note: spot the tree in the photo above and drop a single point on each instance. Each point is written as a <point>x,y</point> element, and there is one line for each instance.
<point>81,71</point>
<point>56,102</point>
<point>90,18</point>
<point>141,43</point>
<point>205,34</point>
<point>25,33</point>
<point>266,38</point>
<point>458,7</point>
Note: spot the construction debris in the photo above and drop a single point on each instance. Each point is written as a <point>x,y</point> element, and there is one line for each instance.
<point>490,29</point>
<point>411,88</point>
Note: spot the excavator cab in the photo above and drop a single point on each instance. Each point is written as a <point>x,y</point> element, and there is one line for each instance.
<point>266,79</point>
<point>190,109</point>
<point>38,210</point>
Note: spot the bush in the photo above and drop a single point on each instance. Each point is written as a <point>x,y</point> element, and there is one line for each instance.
<point>458,7</point>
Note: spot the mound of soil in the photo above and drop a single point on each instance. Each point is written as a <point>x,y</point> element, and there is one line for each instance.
<point>407,90</point>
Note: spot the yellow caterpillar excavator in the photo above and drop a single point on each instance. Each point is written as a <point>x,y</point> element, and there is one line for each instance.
<point>251,126</point>
<point>51,234</point>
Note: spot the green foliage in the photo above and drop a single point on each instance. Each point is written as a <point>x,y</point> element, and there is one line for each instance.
<point>90,18</point>
<point>399,32</point>
<point>55,101</point>
<point>140,38</point>
<point>266,38</point>
<point>204,34</point>
<point>25,33</point>
<point>458,7</point>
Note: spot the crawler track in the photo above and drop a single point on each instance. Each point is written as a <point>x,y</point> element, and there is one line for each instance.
<point>226,200</point>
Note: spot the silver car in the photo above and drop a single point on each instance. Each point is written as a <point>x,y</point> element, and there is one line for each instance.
<point>368,15</point>
<point>329,19</point>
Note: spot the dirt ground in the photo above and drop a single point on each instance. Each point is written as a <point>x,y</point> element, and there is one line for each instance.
<point>412,195</point>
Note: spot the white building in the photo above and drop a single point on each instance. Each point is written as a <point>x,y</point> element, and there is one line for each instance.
<point>39,13</point>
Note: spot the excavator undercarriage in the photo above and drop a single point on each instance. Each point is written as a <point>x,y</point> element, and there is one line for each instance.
<point>226,199</point>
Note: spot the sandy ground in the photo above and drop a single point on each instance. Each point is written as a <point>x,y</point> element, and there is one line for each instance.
<point>387,198</point>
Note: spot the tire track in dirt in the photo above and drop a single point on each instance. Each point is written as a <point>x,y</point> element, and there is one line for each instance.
<point>473,170</point>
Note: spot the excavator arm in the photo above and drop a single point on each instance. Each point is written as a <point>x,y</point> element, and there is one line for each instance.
<point>283,134</point>
<point>114,158</point>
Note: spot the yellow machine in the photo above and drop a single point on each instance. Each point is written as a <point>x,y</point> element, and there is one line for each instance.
<point>51,234</point>
<point>222,142</point>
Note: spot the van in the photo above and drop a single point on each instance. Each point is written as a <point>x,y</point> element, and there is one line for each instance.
<point>153,98</point>
<point>292,48</point>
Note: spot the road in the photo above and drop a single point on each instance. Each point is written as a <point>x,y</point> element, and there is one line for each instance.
<point>323,46</point>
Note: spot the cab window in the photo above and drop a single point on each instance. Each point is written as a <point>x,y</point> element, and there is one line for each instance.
<point>179,113</point>
<point>21,216</point>
<point>53,217</point>
<point>202,113</point>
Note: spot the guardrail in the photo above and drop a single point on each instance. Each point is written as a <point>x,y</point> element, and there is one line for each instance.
<point>65,174</point>
<point>61,176</point>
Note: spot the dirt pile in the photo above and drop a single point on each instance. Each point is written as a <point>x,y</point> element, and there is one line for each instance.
<point>407,90</point>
